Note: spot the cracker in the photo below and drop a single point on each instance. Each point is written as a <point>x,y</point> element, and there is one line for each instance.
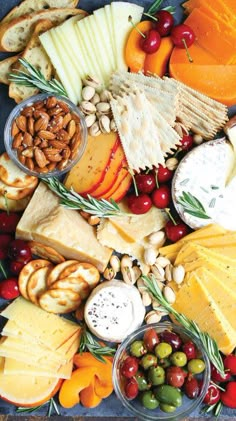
<point>84,271</point>
<point>56,271</point>
<point>138,133</point>
<point>15,193</point>
<point>59,301</point>
<point>13,176</point>
<point>45,252</point>
<point>14,205</point>
<point>77,285</point>
<point>26,273</point>
<point>37,283</point>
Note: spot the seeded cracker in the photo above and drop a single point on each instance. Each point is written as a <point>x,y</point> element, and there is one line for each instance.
<point>138,132</point>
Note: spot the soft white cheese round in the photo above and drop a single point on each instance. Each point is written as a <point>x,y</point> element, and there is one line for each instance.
<point>205,173</point>
<point>114,310</point>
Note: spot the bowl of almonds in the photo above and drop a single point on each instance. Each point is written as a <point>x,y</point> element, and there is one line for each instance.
<point>45,135</point>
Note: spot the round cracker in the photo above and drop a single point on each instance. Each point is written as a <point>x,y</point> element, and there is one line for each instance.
<point>85,271</point>
<point>59,301</point>
<point>26,273</point>
<point>37,283</point>
<point>12,175</point>
<point>46,252</point>
<point>77,285</point>
<point>15,193</point>
<point>55,273</point>
<point>14,205</point>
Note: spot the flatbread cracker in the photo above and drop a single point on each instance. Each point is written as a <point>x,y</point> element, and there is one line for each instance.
<point>13,176</point>
<point>15,193</point>
<point>37,283</point>
<point>45,252</point>
<point>59,301</point>
<point>26,273</point>
<point>84,271</point>
<point>75,284</point>
<point>14,205</point>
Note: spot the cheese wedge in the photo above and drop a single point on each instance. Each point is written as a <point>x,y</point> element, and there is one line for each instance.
<point>17,368</point>
<point>193,301</point>
<point>63,229</point>
<point>191,251</point>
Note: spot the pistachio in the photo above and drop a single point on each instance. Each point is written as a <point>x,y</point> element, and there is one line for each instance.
<point>178,273</point>
<point>92,81</point>
<point>88,93</point>
<point>87,107</point>
<point>146,299</point>
<point>150,256</point>
<point>126,261</point>
<point>93,220</point>
<point>172,164</point>
<point>113,127</point>
<point>168,272</point>
<point>115,263</point>
<point>162,261</point>
<point>158,272</point>
<point>157,238</point>
<point>95,99</point>
<point>153,317</point>
<point>109,274</point>
<point>137,272</point>
<point>157,281</point>
<point>197,139</point>
<point>90,119</point>
<point>105,96</point>
<point>169,294</point>
<point>103,107</point>
<point>140,285</point>
<point>155,304</point>
<point>95,129</point>
<point>104,124</point>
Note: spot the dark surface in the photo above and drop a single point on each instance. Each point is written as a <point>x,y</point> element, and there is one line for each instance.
<point>110,408</point>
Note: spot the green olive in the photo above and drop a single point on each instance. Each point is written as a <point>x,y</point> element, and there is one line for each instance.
<point>148,400</point>
<point>179,359</point>
<point>156,375</point>
<point>165,362</point>
<point>142,381</point>
<point>137,349</point>
<point>167,408</point>
<point>168,395</point>
<point>196,366</point>
<point>148,361</point>
<point>163,350</point>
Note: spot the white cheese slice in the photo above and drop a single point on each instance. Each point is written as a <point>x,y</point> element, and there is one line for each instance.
<point>19,368</point>
<point>204,173</point>
<point>114,310</point>
<point>108,16</point>
<point>103,31</point>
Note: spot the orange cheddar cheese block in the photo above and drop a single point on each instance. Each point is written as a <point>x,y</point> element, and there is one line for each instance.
<point>211,36</point>
<point>198,54</point>
<point>217,81</point>
<point>224,8</point>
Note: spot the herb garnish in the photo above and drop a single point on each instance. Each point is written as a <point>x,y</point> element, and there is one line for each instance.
<point>156,5</point>
<point>35,79</point>
<point>192,205</point>
<point>209,344</point>
<point>51,408</point>
<point>88,342</point>
<point>72,200</point>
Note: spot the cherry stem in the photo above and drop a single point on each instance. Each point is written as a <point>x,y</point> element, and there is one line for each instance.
<point>187,52</point>
<point>156,179</point>
<point>217,386</point>
<point>134,181</point>
<point>3,270</point>
<point>135,27</point>
<point>167,210</point>
<point>150,16</point>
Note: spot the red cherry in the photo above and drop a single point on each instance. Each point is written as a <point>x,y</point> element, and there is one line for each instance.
<point>145,182</point>
<point>165,22</point>
<point>8,222</point>
<point>151,42</point>
<point>163,174</point>
<point>131,388</point>
<point>176,232</point>
<point>230,364</point>
<point>181,35</point>
<point>189,349</point>
<point>186,142</point>
<point>20,251</point>
<point>9,289</point>
<point>5,240</point>
<point>129,367</point>
<point>212,396</point>
<point>15,267</point>
<point>217,377</point>
<point>139,204</point>
<point>161,197</point>
<point>228,398</point>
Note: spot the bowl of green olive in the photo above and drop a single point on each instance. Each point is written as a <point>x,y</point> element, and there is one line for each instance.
<point>161,371</point>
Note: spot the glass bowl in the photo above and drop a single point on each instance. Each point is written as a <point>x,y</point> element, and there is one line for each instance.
<point>45,128</point>
<point>135,406</point>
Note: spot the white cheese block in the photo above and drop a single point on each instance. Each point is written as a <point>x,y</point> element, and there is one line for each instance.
<point>103,31</point>
<point>120,12</point>
<point>204,173</point>
<point>65,230</point>
<point>114,310</point>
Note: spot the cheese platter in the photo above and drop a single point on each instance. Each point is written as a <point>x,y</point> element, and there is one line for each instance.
<point>117,166</point>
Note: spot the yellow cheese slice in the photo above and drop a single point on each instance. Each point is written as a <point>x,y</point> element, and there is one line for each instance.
<point>65,230</point>
<point>193,301</point>
<point>17,368</point>
<point>191,251</point>
<point>25,390</point>
<point>50,329</point>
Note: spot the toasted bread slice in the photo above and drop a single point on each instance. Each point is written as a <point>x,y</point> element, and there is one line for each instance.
<point>35,54</point>
<point>27,271</point>
<point>13,176</point>
<point>15,35</point>
<point>6,66</point>
<point>30,6</point>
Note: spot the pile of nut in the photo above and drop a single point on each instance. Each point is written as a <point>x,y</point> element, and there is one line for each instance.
<point>46,135</point>
<point>96,107</point>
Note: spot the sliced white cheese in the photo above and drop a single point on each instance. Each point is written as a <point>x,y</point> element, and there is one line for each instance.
<point>204,173</point>
<point>18,368</point>
<point>120,12</point>
<point>108,16</point>
<point>114,310</point>
<point>103,30</point>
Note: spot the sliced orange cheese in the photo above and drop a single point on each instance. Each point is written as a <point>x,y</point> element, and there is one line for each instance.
<point>216,81</point>
<point>211,36</point>
<point>198,54</point>
<point>223,8</point>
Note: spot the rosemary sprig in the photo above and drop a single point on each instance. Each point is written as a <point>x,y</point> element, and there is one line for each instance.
<point>215,408</point>
<point>72,200</point>
<point>52,407</point>
<point>209,344</point>
<point>33,78</point>
<point>192,205</point>
<point>89,343</point>
<point>155,6</point>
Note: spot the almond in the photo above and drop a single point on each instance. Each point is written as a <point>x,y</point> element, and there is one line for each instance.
<point>55,158</point>
<point>75,142</point>
<point>40,158</point>
<point>51,151</point>
<point>66,119</point>
<point>27,139</point>
<point>51,102</point>
<point>28,111</point>
<point>71,128</point>
<point>44,144</point>
<point>64,106</point>
<point>38,105</point>
<point>41,124</point>
<point>17,141</point>
<point>28,152</point>
<point>14,129</point>
<point>30,125</point>
<point>66,152</point>
<point>21,157</point>
<point>45,134</point>
<point>57,144</point>
<point>62,165</point>
<point>41,170</point>
<point>37,141</point>
<point>41,113</point>
<point>63,135</point>
<point>51,166</point>
<point>29,163</point>
<point>56,124</point>
<point>55,111</point>
<point>21,123</point>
